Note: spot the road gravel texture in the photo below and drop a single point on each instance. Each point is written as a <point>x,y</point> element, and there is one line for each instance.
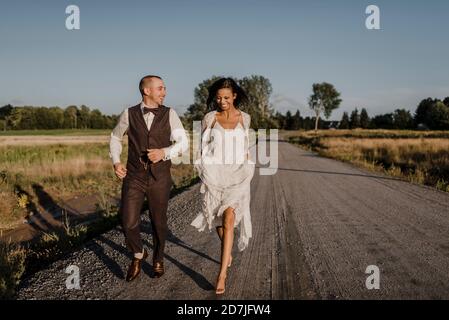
<point>317,225</point>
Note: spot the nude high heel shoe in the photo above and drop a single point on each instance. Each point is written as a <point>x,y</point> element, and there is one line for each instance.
<point>221,290</point>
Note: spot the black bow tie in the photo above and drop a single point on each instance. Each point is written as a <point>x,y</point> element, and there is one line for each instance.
<point>152,110</point>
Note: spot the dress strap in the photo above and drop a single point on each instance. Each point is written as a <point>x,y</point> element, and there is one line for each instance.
<point>241,120</point>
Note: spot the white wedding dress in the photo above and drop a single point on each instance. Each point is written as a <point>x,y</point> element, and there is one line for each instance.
<point>225,172</point>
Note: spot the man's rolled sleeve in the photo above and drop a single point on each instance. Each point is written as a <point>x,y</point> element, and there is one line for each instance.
<point>115,143</point>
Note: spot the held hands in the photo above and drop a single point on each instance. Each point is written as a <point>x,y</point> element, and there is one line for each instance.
<point>120,170</point>
<point>155,155</point>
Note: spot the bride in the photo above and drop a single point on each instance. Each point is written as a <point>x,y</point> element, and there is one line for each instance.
<point>226,171</point>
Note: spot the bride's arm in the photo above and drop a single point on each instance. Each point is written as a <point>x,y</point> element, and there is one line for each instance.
<point>205,125</point>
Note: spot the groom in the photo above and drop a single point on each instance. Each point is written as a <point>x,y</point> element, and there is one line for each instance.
<point>151,127</point>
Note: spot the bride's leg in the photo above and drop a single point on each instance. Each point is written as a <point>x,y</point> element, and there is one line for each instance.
<point>220,235</point>
<point>226,248</point>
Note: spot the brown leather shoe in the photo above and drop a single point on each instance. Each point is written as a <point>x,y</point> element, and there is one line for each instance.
<point>158,269</point>
<point>135,267</point>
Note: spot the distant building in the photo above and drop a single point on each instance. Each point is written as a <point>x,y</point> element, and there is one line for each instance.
<point>422,127</point>
<point>329,124</point>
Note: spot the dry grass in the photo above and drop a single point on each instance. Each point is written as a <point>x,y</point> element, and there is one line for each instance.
<point>63,171</point>
<point>47,140</point>
<point>365,133</point>
<point>419,158</point>
<point>61,167</point>
<point>12,266</point>
<point>10,212</point>
<point>77,166</point>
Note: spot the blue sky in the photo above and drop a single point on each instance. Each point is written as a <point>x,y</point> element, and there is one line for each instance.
<point>292,43</point>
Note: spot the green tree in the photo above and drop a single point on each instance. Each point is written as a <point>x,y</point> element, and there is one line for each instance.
<point>258,90</point>
<point>439,117</point>
<point>432,113</point>
<point>48,118</point>
<point>383,121</point>
<point>309,123</point>
<point>71,117</point>
<point>57,115</point>
<point>197,110</point>
<point>5,111</point>
<point>354,120</point>
<point>423,111</point>
<point>97,120</point>
<point>15,118</point>
<point>84,117</point>
<point>446,101</point>
<point>296,125</point>
<point>288,120</point>
<point>364,119</point>
<point>325,98</point>
<point>280,120</point>
<point>344,123</point>
<point>402,119</point>
<point>28,119</point>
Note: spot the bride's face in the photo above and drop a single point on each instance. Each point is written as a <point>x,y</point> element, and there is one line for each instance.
<point>225,98</point>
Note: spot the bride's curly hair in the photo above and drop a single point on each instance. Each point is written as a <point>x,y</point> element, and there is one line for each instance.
<point>226,83</point>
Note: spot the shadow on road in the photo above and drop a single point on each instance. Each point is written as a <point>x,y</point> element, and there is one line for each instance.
<point>172,238</point>
<point>147,268</point>
<point>199,279</point>
<point>35,218</point>
<point>112,265</point>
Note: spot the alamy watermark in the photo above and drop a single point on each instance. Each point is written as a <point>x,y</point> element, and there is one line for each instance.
<point>73,280</point>
<point>373,280</point>
<point>72,22</point>
<point>372,22</point>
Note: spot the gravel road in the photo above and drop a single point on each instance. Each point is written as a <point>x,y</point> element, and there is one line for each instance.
<point>317,225</point>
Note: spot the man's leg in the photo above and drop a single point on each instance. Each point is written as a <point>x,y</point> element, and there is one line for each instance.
<point>158,196</point>
<point>131,205</point>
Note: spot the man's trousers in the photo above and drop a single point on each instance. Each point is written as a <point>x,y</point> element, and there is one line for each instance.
<point>133,196</point>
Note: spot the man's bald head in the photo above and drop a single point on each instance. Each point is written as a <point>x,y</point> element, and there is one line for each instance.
<point>145,82</point>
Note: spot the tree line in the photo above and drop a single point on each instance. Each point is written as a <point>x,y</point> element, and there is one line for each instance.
<point>72,117</point>
<point>431,114</point>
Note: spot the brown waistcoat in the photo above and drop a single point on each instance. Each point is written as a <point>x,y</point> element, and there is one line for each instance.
<point>140,139</point>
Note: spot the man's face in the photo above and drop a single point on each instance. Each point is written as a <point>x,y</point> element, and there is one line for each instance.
<point>155,90</point>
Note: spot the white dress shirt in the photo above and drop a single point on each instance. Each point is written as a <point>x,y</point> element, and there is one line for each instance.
<point>178,135</point>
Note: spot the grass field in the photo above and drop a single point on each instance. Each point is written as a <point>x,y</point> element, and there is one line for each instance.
<point>365,133</point>
<point>57,132</point>
<point>61,164</point>
<point>421,157</point>
<point>62,171</point>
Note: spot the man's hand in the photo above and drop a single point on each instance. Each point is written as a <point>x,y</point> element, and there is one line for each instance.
<point>120,170</point>
<point>155,155</point>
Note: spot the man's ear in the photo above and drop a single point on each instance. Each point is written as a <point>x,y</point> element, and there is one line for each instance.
<point>146,91</point>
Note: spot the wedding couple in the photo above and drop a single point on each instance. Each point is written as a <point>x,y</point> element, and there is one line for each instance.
<point>225,188</point>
